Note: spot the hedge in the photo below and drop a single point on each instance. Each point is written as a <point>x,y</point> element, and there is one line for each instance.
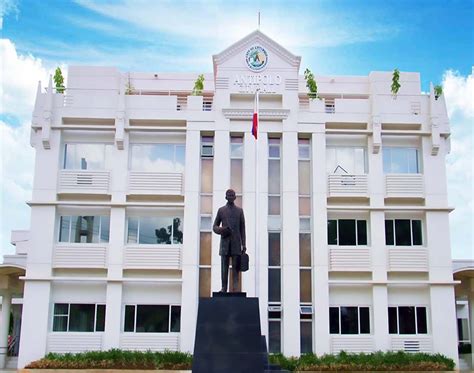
<point>173,360</point>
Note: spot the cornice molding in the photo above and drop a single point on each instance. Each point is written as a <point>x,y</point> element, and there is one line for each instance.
<point>265,114</point>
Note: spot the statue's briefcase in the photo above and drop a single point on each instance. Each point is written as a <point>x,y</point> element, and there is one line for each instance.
<point>244,262</point>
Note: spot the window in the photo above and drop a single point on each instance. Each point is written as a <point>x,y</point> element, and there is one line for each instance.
<point>236,167</point>
<point>407,320</point>
<point>207,146</point>
<point>463,330</point>
<point>274,176</point>
<point>84,229</point>
<point>157,157</point>
<point>78,317</point>
<point>347,232</point>
<point>150,318</point>
<point>349,320</point>
<point>274,332</point>
<point>403,232</point>
<point>345,160</point>
<point>164,230</point>
<point>87,156</point>
<point>400,160</point>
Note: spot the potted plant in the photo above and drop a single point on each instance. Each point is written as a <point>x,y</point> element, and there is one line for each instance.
<point>311,84</point>
<point>59,80</point>
<point>198,85</point>
<point>438,91</point>
<point>129,88</point>
<point>395,83</point>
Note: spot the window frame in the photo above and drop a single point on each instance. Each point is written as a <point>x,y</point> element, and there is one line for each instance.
<point>68,316</point>
<point>139,217</point>
<point>358,319</point>
<point>135,305</point>
<point>416,319</point>
<point>356,220</point>
<point>104,160</point>
<point>394,237</point>
<point>418,160</point>
<point>174,144</point>
<point>335,147</point>
<point>68,242</point>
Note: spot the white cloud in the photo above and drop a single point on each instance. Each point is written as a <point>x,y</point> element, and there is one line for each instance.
<point>459,95</point>
<point>7,7</point>
<point>18,81</point>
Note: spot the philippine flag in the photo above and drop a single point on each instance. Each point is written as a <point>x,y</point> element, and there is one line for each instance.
<point>255,118</point>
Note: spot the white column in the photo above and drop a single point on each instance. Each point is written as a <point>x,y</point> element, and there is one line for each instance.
<point>379,273</point>
<point>320,249</point>
<point>221,182</point>
<point>4,325</point>
<point>290,283</point>
<point>443,321</point>
<point>34,321</point>
<point>471,316</point>
<point>190,255</point>
<point>113,316</point>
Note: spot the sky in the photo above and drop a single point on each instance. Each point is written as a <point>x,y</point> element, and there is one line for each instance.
<point>340,37</point>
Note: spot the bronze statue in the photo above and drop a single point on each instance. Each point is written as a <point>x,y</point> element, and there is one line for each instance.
<point>232,234</point>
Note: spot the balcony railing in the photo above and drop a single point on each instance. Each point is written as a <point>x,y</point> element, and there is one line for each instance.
<point>353,343</point>
<point>350,258</point>
<point>408,258</point>
<point>415,343</point>
<point>84,181</point>
<point>153,257</point>
<point>165,183</point>
<point>404,186</point>
<point>347,185</point>
<point>80,256</point>
<point>149,341</point>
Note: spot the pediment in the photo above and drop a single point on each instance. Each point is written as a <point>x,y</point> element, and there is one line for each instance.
<point>236,51</point>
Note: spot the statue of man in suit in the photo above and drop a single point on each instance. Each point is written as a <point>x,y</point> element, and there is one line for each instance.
<point>232,234</point>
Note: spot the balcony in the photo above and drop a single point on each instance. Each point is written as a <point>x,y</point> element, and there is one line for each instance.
<point>350,258</point>
<point>338,110</point>
<point>412,343</point>
<point>403,109</point>
<point>153,257</point>
<point>152,183</point>
<point>80,256</point>
<point>62,342</point>
<point>352,344</point>
<point>404,186</point>
<point>84,181</point>
<point>348,186</point>
<point>408,258</point>
<point>149,341</point>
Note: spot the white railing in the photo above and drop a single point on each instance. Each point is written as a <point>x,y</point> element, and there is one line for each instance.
<point>79,256</point>
<point>350,258</point>
<point>62,342</point>
<point>404,185</point>
<point>149,341</point>
<point>408,258</point>
<point>167,183</point>
<point>83,181</point>
<point>353,343</point>
<point>153,256</point>
<point>347,185</point>
<point>415,343</point>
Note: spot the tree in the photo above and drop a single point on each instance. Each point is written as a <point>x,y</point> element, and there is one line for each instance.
<point>59,80</point>
<point>198,85</point>
<point>311,84</point>
<point>395,82</point>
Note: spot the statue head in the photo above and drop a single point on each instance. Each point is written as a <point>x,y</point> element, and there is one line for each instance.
<point>230,196</point>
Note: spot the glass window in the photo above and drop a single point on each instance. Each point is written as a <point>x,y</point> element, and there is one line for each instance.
<point>389,240</point>
<point>406,318</point>
<point>78,317</point>
<point>364,320</point>
<point>206,175</point>
<point>422,326</point>
<point>100,318</point>
<point>402,232</point>
<point>60,318</point>
<point>206,223</point>
<point>236,175</point>
<point>273,205</point>
<point>87,156</point>
<point>81,317</point>
<point>274,285</point>
<point>155,230</point>
<point>305,224</point>
<point>407,232</point>
<point>305,285</point>
<point>361,232</point>
<point>205,248</point>
<point>157,157</point>
<point>175,319</point>
<point>273,176</point>
<point>204,282</point>
<point>305,206</point>
<point>392,320</point>
<point>274,336</point>
<point>332,232</point>
<point>305,250</point>
<point>152,319</point>
<point>349,320</point>
<point>304,177</point>
<point>206,205</point>
<point>274,249</point>
<point>306,338</point>
<point>236,147</point>
<point>345,160</point>
<point>347,232</point>
<point>416,229</point>
<point>129,325</point>
<point>84,229</point>
<point>400,160</point>
<point>334,320</point>
<point>304,149</point>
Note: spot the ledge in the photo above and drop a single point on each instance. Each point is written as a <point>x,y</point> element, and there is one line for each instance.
<point>104,279</point>
<point>264,114</point>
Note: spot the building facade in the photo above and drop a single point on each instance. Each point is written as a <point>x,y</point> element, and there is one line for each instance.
<point>344,197</point>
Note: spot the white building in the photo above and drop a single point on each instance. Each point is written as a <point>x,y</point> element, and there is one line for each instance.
<point>352,248</point>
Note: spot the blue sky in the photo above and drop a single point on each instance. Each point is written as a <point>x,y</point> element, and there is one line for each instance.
<point>347,37</point>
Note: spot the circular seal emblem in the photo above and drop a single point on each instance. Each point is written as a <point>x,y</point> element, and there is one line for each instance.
<point>256,58</point>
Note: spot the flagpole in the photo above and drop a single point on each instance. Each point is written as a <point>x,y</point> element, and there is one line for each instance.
<point>257,251</point>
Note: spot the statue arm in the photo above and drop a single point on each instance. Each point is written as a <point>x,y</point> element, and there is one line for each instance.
<point>217,222</point>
